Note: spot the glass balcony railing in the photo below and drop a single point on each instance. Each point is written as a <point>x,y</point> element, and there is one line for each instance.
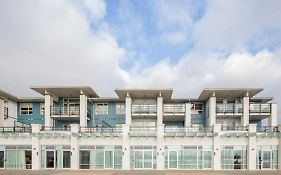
<point>229,108</point>
<point>143,129</point>
<point>144,109</point>
<point>16,129</point>
<point>65,111</point>
<point>6,112</point>
<point>234,128</point>
<point>187,129</point>
<point>66,128</point>
<point>267,129</point>
<point>174,108</point>
<point>260,108</point>
<point>101,130</point>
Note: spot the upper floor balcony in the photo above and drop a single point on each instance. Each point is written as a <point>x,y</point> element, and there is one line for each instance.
<point>15,129</point>
<point>260,108</point>
<point>229,108</point>
<point>187,131</point>
<point>144,110</point>
<point>143,131</point>
<point>67,113</point>
<point>174,109</point>
<point>6,112</point>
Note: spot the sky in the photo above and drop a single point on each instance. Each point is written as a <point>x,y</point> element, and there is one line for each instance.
<point>187,45</point>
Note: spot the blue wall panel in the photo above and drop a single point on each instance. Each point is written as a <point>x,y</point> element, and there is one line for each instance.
<point>35,118</point>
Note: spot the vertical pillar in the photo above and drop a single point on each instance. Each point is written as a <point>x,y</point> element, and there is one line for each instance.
<point>74,146</point>
<point>252,128</point>
<point>279,149</point>
<point>212,110</point>
<point>160,156</point>
<point>1,112</point>
<point>83,110</point>
<point>272,120</point>
<point>128,110</point>
<point>187,120</point>
<point>126,147</point>
<point>159,110</point>
<point>48,105</point>
<point>216,147</point>
<point>245,116</point>
<point>36,150</point>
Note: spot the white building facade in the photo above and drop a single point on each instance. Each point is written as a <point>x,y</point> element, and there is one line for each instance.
<point>74,128</point>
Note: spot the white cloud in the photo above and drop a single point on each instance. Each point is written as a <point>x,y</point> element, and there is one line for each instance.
<point>97,8</point>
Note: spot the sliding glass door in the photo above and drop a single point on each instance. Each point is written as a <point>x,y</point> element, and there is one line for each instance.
<point>173,159</point>
<point>2,159</point>
<point>143,159</point>
<point>66,159</point>
<point>266,159</point>
<point>50,159</point>
<point>108,159</point>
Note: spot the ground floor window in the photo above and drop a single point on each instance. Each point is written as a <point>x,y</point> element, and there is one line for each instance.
<point>143,157</point>
<point>267,157</point>
<point>100,157</point>
<point>188,157</point>
<point>55,156</point>
<point>234,157</point>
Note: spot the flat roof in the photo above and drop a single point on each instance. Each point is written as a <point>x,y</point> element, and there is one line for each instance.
<point>228,92</point>
<point>66,91</point>
<point>144,93</point>
<point>7,95</point>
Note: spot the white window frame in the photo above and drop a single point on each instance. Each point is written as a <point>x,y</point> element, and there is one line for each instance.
<point>119,109</point>
<point>193,108</point>
<point>103,111</point>
<point>28,110</point>
<point>42,108</point>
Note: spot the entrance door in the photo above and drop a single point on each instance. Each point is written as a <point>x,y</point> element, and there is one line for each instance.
<point>66,159</point>
<point>207,160</point>
<point>2,159</point>
<point>147,159</point>
<point>108,159</point>
<point>138,159</point>
<point>50,159</point>
<point>266,159</point>
<point>173,159</point>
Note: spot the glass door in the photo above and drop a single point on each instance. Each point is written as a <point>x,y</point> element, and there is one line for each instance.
<point>173,159</point>
<point>2,159</point>
<point>66,159</point>
<point>207,159</point>
<point>138,159</point>
<point>147,159</point>
<point>50,159</point>
<point>266,159</point>
<point>108,159</point>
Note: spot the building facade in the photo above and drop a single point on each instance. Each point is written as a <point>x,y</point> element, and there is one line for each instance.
<point>74,128</point>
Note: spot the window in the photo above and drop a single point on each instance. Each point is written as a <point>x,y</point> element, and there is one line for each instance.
<point>26,108</point>
<point>42,108</point>
<point>198,107</point>
<point>120,108</point>
<point>101,108</point>
<point>71,102</point>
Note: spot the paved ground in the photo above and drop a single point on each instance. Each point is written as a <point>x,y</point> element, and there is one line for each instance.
<point>104,172</point>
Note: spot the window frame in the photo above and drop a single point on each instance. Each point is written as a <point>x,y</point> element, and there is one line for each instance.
<point>118,108</point>
<point>42,108</point>
<point>104,110</point>
<point>29,108</point>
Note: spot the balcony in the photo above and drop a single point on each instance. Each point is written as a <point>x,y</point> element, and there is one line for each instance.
<point>229,109</point>
<point>65,113</point>
<point>144,110</point>
<point>188,131</point>
<point>101,131</point>
<point>174,109</point>
<point>267,129</point>
<point>44,128</point>
<point>234,128</point>
<point>260,108</point>
<point>143,131</point>
<point>15,129</point>
<point>6,112</point>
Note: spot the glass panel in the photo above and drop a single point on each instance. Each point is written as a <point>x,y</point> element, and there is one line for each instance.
<point>66,159</point>
<point>108,159</point>
<point>11,159</point>
<point>84,159</point>
<point>2,159</point>
<point>147,159</point>
<point>28,159</point>
<point>117,159</point>
<point>237,159</point>
<point>207,159</point>
<point>20,159</point>
<point>50,159</point>
<point>173,159</point>
<point>266,159</point>
<point>138,159</point>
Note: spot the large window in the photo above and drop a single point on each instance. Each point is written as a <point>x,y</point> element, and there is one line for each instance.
<point>71,102</point>
<point>26,108</point>
<point>197,108</point>
<point>42,108</point>
<point>18,157</point>
<point>101,108</point>
<point>120,108</point>
<point>234,157</point>
<point>267,157</point>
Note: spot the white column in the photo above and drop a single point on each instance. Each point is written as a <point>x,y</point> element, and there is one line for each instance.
<point>74,146</point>
<point>48,104</point>
<point>216,147</point>
<point>252,128</point>
<point>159,110</point>
<point>128,110</point>
<point>160,156</point>
<point>126,147</point>
<point>187,120</point>
<point>245,116</point>
<point>272,120</point>
<point>212,110</point>
<point>1,112</point>
<point>83,110</point>
<point>36,150</point>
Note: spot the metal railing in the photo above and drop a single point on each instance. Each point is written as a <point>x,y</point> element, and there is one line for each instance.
<point>267,129</point>
<point>144,109</point>
<point>187,129</point>
<point>174,108</point>
<point>234,128</point>
<point>260,108</point>
<point>15,129</point>
<point>143,128</point>
<point>6,112</point>
<point>100,130</point>
<point>44,128</point>
<point>229,108</point>
<point>65,111</point>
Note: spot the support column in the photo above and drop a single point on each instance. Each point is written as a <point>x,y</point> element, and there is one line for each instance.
<point>245,116</point>
<point>159,110</point>
<point>187,120</point>
<point>48,104</point>
<point>126,147</point>
<point>279,149</point>
<point>83,110</point>
<point>74,146</point>
<point>212,110</point>
<point>216,147</point>
<point>1,112</point>
<point>272,120</point>
<point>128,110</point>
<point>160,156</point>
<point>252,128</point>
<point>36,149</point>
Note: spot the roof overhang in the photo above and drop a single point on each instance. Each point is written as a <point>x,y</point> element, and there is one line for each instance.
<point>4,95</point>
<point>145,93</point>
<point>229,92</point>
<point>66,91</point>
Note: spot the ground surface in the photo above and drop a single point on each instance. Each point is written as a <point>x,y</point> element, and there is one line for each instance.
<point>90,172</point>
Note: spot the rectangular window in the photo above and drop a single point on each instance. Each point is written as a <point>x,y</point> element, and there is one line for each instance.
<point>120,108</point>
<point>42,108</point>
<point>26,108</point>
<point>198,107</point>
<point>101,108</point>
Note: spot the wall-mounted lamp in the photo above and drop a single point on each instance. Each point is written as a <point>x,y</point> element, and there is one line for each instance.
<point>37,153</point>
<point>253,149</point>
<point>34,148</point>
<point>73,149</point>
